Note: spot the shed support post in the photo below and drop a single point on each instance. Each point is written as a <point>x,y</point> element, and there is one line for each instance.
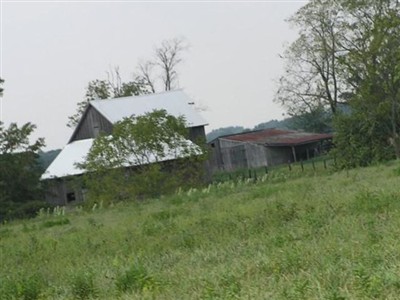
<point>294,153</point>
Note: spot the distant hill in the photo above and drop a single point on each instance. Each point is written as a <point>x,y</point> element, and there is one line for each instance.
<point>317,122</point>
<point>224,131</point>
<point>46,158</point>
<point>284,124</point>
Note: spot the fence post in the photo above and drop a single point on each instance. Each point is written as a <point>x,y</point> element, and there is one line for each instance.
<point>302,167</point>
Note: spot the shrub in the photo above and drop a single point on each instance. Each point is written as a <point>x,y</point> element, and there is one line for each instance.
<point>14,210</point>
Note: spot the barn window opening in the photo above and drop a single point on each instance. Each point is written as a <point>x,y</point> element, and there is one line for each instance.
<point>71,197</point>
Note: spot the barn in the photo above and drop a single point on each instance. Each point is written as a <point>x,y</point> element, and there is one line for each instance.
<point>267,147</point>
<point>99,116</point>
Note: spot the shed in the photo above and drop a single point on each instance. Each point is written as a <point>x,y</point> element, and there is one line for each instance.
<point>266,147</point>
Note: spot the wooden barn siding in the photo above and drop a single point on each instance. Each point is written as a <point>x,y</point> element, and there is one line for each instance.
<point>215,157</point>
<point>256,156</point>
<point>87,129</point>
<point>197,134</point>
<point>233,155</point>
<point>57,190</point>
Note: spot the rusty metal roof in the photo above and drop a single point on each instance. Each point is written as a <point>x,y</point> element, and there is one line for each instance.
<point>278,137</point>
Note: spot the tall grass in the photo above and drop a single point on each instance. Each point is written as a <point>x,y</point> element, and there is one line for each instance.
<point>316,235</point>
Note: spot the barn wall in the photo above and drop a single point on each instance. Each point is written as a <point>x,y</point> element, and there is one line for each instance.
<point>197,134</point>
<point>256,156</point>
<point>230,155</point>
<point>64,191</point>
<point>56,192</point>
<point>92,124</point>
<point>234,157</point>
<point>215,162</point>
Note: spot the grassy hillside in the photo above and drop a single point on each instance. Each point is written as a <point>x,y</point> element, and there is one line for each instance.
<point>291,235</point>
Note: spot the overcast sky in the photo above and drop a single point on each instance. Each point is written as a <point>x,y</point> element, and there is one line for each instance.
<point>51,50</point>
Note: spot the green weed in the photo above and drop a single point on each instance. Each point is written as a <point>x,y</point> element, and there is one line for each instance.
<point>136,279</point>
<point>26,287</point>
<point>83,286</point>
<point>56,222</point>
<point>292,235</point>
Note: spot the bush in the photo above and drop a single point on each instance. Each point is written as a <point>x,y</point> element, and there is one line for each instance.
<point>15,210</point>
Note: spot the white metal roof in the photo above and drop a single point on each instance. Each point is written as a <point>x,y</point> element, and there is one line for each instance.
<point>74,153</point>
<point>176,103</point>
<point>65,162</point>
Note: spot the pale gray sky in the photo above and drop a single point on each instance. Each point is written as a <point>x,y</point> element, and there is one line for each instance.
<point>51,50</point>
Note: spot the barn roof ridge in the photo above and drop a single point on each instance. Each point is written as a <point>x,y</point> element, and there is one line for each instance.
<point>175,102</point>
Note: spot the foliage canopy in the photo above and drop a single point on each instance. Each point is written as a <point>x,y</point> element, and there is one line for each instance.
<point>348,53</point>
<point>20,192</point>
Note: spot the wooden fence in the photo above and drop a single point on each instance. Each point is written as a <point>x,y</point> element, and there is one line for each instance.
<point>319,165</point>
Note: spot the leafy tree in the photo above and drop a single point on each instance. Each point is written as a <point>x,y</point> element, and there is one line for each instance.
<point>312,81</point>
<point>348,51</point>
<point>373,66</point>
<point>20,192</point>
<point>318,120</point>
<point>224,131</point>
<point>46,158</point>
<point>144,156</point>
<point>112,87</point>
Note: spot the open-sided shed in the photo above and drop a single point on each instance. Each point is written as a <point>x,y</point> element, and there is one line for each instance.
<point>266,147</point>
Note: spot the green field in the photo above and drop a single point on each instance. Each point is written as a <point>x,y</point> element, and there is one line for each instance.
<point>290,235</point>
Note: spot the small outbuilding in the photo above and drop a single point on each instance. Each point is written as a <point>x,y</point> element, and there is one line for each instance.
<point>267,147</point>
